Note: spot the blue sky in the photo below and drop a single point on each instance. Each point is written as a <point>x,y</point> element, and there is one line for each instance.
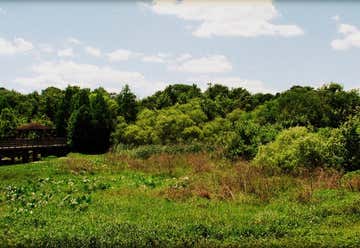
<point>264,46</point>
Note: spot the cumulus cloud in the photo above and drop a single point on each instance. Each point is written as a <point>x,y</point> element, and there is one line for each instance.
<point>158,58</point>
<point>164,55</point>
<point>46,48</point>
<point>209,64</point>
<point>73,41</point>
<point>336,18</point>
<point>61,74</point>
<point>351,37</point>
<point>153,59</point>
<point>67,52</point>
<point>183,57</point>
<point>92,51</point>
<point>254,86</point>
<point>121,55</point>
<point>18,45</point>
<point>227,18</point>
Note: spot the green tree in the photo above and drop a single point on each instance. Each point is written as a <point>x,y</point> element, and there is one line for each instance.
<point>64,110</point>
<point>241,98</point>
<point>247,137</point>
<point>128,107</point>
<point>351,133</point>
<point>101,123</point>
<point>339,104</point>
<point>80,130</point>
<point>171,95</point>
<point>170,123</point>
<point>8,122</point>
<point>216,90</point>
<point>117,137</point>
<point>50,100</point>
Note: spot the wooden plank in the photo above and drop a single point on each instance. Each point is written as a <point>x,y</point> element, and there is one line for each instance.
<point>16,144</point>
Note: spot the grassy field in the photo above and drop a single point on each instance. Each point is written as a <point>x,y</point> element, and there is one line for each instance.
<point>174,201</point>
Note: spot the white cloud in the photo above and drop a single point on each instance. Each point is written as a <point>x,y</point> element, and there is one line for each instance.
<point>46,48</point>
<point>228,18</point>
<point>336,18</point>
<point>153,59</point>
<point>183,57</point>
<point>73,41</point>
<point>351,37</point>
<point>93,51</point>
<point>210,64</point>
<point>159,58</point>
<point>61,74</point>
<point>121,55</point>
<point>254,86</point>
<point>164,55</point>
<point>347,29</point>
<point>67,52</point>
<point>18,45</point>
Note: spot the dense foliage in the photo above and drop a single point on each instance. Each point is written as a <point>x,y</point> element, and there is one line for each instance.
<point>302,126</point>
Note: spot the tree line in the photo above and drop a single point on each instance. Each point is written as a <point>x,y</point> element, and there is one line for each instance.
<point>301,126</point>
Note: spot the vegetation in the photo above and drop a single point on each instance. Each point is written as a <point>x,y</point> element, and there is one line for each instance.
<point>185,168</point>
<point>175,198</point>
<point>300,127</point>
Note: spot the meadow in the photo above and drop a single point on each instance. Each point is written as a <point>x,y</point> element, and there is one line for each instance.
<point>162,144</point>
<point>174,199</point>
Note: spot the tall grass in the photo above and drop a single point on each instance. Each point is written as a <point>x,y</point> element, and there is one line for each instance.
<point>172,199</point>
<point>212,177</point>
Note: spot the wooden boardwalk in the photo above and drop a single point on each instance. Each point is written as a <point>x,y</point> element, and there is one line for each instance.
<point>24,149</point>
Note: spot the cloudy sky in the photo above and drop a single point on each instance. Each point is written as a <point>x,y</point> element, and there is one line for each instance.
<point>264,46</point>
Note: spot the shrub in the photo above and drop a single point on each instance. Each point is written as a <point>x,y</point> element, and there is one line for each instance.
<point>170,124</point>
<point>192,133</point>
<point>144,152</point>
<point>298,147</point>
<point>118,135</point>
<point>136,135</point>
<point>335,151</point>
<point>247,137</point>
<point>351,133</point>
<point>215,130</point>
<point>351,180</point>
<point>8,122</point>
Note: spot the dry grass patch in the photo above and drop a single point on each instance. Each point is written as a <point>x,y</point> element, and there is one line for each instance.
<point>78,166</point>
<point>200,162</point>
<point>215,178</point>
<point>351,181</point>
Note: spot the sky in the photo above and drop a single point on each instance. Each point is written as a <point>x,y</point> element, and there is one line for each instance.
<point>263,46</point>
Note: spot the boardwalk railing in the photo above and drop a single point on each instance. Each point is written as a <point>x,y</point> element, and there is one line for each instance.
<point>15,143</point>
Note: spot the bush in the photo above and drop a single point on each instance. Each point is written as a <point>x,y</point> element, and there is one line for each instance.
<point>351,133</point>
<point>118,135</point>
<point>8,122</point>
<point>214,130</point>
<point>136,135</point>
<point>298,147</point>
<point>351,180</point>
<point>192,133</point>
<point>246,138</point>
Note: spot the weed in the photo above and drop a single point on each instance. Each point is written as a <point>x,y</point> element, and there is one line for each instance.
<point>199,162</point>
<point>78,166</point>
<point>175,200</point>
<point>351,181</point>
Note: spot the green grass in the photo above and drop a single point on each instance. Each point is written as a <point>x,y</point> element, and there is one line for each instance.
<point>176,201</point>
